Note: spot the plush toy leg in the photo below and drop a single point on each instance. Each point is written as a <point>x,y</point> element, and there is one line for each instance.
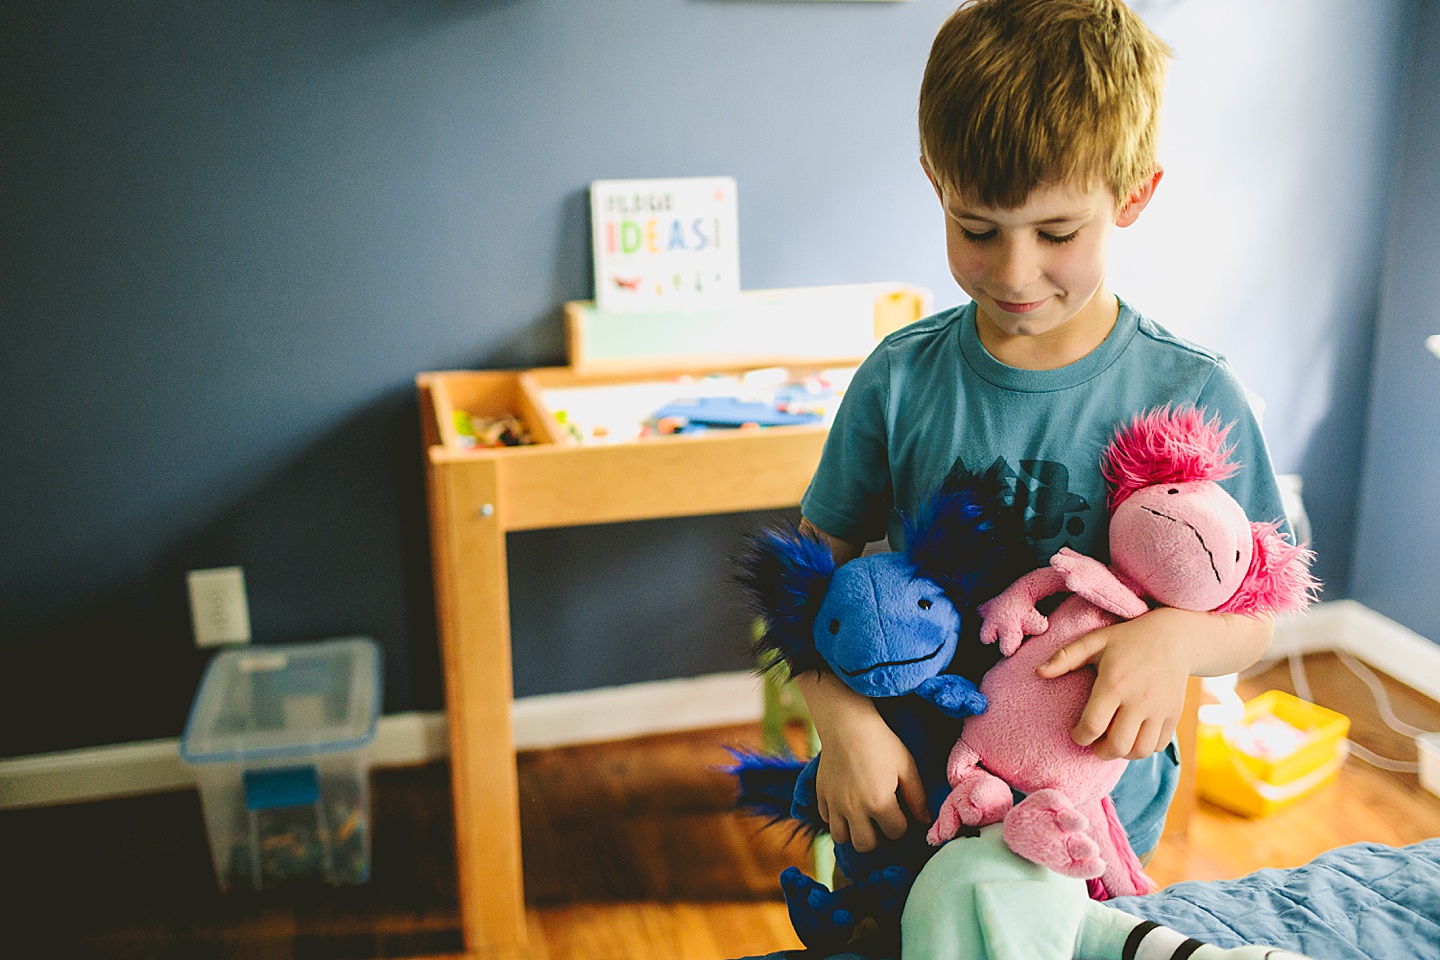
<point>825,920</point>
<point>1110,934</point>
<point>1045,828</point>
<point>977,798</point>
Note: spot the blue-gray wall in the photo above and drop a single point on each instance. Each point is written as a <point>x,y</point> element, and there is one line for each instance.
<point>233,232</point>
<point>1397,564</point>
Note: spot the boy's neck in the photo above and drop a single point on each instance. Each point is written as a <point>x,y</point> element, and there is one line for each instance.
<point>1067,343</point>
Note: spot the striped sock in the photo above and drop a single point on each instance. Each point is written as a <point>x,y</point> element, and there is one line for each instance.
<point>1150,941</point>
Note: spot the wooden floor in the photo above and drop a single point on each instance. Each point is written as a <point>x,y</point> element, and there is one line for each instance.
<point>630,852</point>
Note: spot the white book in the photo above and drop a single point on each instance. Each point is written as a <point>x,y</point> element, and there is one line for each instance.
<point>665,244</point>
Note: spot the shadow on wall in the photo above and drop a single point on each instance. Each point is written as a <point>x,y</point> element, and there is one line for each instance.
<point>1330,464</point>
<point>334,542</point>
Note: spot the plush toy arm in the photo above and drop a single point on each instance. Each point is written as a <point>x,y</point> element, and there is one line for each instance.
<point>1097,583</point>
<point>952,695</point>
<point>1011,617</point>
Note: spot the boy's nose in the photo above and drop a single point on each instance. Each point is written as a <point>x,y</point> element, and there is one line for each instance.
<point>1015,269</point>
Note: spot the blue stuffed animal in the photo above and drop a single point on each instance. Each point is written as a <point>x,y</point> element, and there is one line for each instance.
<point>889,625</point>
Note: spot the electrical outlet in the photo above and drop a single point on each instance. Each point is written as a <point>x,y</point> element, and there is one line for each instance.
<point>1429,749</point>
<point>218,609</point>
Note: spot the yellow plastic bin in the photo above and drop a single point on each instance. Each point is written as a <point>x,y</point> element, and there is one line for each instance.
<point>1285,748</point>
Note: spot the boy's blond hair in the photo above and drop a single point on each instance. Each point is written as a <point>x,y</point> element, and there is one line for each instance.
<point>1023,92</point>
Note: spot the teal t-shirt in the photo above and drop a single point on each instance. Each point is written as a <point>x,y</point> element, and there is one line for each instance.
<point>930,394</point>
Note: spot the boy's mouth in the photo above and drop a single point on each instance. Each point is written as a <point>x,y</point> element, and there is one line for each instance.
<point>1010,307</point>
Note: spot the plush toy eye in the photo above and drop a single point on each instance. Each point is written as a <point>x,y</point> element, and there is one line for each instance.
<point>925,603</point>
<point>1237,556</point>
<point>1173,490</point>
<point>834,626</point>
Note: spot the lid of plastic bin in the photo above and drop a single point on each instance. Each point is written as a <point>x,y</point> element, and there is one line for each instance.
<point>292,700</point>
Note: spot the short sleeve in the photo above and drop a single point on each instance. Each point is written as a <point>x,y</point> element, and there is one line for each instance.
<point>851,493</point>
<point>1253,486</point>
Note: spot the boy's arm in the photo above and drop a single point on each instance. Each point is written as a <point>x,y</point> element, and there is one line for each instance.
<point>865,772</point>
<point>1141,669</point>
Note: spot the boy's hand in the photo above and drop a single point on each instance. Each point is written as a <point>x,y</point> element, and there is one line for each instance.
<point>866,783</point>
<point>1141,667</point>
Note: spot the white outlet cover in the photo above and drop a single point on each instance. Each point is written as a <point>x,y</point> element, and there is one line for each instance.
<point>218,608</point>
<point>1429,749</point>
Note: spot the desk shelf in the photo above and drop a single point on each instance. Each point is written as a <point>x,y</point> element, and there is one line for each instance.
<point>556,483</point>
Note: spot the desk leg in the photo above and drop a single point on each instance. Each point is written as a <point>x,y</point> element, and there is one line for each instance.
<point>1182,808</point>
<point>474,619</point>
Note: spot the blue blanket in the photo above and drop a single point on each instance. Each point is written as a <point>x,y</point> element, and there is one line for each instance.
<point>1366,901</point>
<point>1362,902</point>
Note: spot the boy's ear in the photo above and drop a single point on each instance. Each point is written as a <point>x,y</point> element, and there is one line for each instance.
<point>929,175</point>
<point>1138,199</point>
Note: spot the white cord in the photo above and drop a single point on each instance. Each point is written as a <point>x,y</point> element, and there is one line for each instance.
<point>1298,678</point>
<point>1382,703</point>
<point>1382,697</point>
<point>1384,763</point>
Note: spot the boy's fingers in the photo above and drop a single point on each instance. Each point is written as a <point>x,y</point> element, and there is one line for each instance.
<point>1121,738</point>
<point>1153,737</point>
<point>892,822</point>
<point>1073,656</point>
<point>839,831</point>
<point>862,836</point>
<point>1096,719</point>
<point>912,795</point>
<point>1167,732</point>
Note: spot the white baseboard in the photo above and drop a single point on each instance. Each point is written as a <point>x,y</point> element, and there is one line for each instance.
<point>1352,627</point>
<point>636,710</point>
<point>402,739</point>
<point>641,709</point>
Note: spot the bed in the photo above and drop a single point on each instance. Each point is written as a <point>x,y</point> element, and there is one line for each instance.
<point>1365,901</point>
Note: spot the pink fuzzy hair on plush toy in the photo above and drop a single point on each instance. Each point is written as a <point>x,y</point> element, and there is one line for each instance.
<point>1177,539</point>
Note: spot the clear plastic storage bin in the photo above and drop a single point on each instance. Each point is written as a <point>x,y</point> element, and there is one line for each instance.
<point>278,736</point>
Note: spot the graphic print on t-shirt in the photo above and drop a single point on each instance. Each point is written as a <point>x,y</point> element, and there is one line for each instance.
<point>1042,488</point>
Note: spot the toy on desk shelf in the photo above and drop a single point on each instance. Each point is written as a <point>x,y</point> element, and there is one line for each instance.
<point>1176,537</point>
<point>731,412</point>
<point>977,900</point>
<point>889,625</point>
<point>490,431</point>
<point>766,399</point>
<point>612,413</point>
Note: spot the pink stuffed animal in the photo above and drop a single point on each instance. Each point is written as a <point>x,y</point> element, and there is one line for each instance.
<point>1177,538</point>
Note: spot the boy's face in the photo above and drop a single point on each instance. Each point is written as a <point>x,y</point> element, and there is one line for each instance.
<point>1037,272</point>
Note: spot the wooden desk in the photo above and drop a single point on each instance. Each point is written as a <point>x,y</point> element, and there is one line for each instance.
<point>476,497</point>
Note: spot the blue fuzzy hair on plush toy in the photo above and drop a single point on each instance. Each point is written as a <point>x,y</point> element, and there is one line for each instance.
<point>889,625</point>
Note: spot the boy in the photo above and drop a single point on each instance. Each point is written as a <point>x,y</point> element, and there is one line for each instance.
<point>1038,128</point>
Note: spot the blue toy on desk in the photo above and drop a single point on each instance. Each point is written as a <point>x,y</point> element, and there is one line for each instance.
<point>889,625</point>
<point>732,412</point>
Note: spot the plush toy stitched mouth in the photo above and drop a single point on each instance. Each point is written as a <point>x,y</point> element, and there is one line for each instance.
<point>1208,555</point>
<point>893,663</point>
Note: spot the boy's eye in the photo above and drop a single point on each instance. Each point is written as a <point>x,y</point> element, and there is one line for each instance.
<point>974,237</point>
<point>1052,238</point>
